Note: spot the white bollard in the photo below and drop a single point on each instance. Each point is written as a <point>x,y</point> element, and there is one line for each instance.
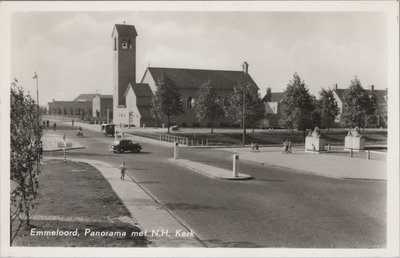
<point>176,151</point>
<point>235,168</point>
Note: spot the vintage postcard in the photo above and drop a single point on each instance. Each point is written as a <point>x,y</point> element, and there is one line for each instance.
<point>223,129</point>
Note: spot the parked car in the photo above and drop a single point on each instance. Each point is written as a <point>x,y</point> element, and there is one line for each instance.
<point>174,128</point>
<point>108,129</point>
<point>120,146</point>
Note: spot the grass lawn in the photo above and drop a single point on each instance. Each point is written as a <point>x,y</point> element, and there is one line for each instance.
<point>74,196</point>
<point>234,137</point>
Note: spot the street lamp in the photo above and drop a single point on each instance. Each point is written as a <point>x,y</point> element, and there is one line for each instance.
<point>243,113</point>
<point>37,93</point>
<point>38,116</point>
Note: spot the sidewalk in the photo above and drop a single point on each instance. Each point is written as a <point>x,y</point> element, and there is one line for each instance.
<point>157,224</point>
<point>323,164</point>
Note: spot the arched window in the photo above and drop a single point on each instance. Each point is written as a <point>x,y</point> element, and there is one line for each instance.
<point>124,44</point>
<point>189,102</point>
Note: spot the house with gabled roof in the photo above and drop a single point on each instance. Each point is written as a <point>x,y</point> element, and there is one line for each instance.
<point>100,104</point>
<point>381,114</point>
<point>273,105</point>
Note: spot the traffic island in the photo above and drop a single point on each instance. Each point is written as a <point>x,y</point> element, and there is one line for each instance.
<point>210,171</point>
<point>78,208</point>
<point>55,142</point>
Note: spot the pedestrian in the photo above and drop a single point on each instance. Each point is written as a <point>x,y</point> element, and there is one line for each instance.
<point>73,122</point>
<point>47,123</point>
<point>54,126</point>
<point>122,168</point>
<point>256,147</point>
<point>289,147</point>
<point>285,147</point>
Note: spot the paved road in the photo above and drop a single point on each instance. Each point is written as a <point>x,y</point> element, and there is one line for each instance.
<point>277,209</point>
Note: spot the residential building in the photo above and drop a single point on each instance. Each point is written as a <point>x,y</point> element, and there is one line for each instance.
<point>102,106</point>
<point>381,114</point>
<point>273,109</point>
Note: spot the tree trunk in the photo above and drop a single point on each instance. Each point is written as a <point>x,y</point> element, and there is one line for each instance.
<point>212,126</point>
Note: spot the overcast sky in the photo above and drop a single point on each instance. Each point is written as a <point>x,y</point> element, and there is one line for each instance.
<point>72,51</point>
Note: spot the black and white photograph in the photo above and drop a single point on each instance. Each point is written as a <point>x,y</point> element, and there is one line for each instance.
<point>200,129</point>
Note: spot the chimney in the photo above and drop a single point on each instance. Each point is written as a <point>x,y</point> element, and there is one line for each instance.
<point>371,87</point>
<point>336,87</point>
<point>268,95</point>
<point>245,67</point>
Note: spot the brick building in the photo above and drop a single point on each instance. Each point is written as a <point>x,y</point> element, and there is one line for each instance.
<point>100,105</point>
<point>132,101</point>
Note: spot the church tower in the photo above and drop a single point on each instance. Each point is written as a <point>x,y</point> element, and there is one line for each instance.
<point>124,55</point>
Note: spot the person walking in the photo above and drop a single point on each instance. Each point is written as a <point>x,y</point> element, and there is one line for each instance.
<point>122,167</point>
<point>54,126</point>
<point>285,147</point>
<point>47,123</point>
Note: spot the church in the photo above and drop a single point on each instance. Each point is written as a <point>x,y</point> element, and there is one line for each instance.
<point>132,99</point>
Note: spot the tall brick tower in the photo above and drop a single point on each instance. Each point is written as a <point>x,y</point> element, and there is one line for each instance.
<point>124,49</point>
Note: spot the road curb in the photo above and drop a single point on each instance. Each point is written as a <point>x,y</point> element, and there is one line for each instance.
<point>205,170</point>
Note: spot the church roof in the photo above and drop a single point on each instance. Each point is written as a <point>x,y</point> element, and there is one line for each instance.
<point>194,78</point>
<point>125,30</point>
<point>85,97</point>
<point>140,89</point>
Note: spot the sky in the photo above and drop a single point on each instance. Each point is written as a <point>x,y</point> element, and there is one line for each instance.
<point>72,51</point>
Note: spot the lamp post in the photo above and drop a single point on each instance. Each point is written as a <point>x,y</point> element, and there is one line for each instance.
<point>38,116</point>
<point>37,93</point>
<point>244,114</point>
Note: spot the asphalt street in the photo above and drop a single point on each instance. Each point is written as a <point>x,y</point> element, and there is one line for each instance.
<point>278,208</point>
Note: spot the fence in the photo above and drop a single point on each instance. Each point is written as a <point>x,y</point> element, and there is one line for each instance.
<point>172,138</point>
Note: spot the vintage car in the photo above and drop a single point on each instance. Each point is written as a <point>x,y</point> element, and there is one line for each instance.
<point>108,129</point>
<point>120,146</point>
